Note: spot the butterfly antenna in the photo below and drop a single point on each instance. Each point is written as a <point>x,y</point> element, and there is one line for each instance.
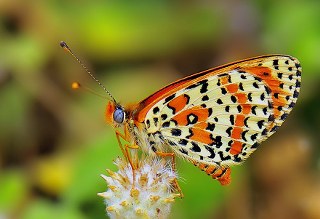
<point>67,49</point>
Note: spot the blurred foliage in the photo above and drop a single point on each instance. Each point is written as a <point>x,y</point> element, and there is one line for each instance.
<point>54,142</point>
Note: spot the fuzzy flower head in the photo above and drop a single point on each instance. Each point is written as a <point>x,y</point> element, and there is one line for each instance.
<point>146,192</point>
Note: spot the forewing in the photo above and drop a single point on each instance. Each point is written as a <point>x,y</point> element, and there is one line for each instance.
<point>221,115</point>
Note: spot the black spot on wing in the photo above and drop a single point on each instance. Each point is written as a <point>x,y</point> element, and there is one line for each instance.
<point>265,110</point>
<point>239,108</point>
<point>232,119</point>
<point>233,99</point>
<point>219,101</point>
<point>228,131</point>
<point>243,135</point>
<point>164,116</point>
<point>211,151</point>
<point>195,147</point>
<point>250,97</point>
<point>271,118</point>
<point>284,116</point>
<point>255,145</point>
<point>222,157</point>
<point>264,132</point>
<point>260,124</point>
<point>217,140</point>
<point>292,104</point>
<point>176,132</point>
<point>254,136</point>
<point>148,123</point>
<point>155,120</point>
<point>205,98</point>
<point>253,110</point>
<point>241,86</point>
<point>245,121</point>
<point>210,126</point>
<point>172,108</point>
<point>276,64</point>
<point>169,98</point>
<point>156,110</point>
<point>204,87</point>
<point>165,124</point>
<point>183,142</point>
<point>236,158</point>
<point>298,73</point>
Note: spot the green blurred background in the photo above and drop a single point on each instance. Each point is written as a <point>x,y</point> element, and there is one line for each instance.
<point>54,142</point>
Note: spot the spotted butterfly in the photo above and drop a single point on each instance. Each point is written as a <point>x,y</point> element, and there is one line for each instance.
<point>215,118</point>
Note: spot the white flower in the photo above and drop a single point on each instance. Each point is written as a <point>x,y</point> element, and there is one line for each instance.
<point>146,192</point>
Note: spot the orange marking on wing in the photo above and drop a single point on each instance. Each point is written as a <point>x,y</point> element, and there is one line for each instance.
<point>277,113</point>
<point>241,97</point>
<point>232,88</point>
<point>201,125</point>
<point>236,133</point>
<point>224,80</point>
<point>201,113</point>
<point>179,102</point>
<point>240,120</point>
<point>236,147</point>
<point>246,108</point>
<point>201,135</point>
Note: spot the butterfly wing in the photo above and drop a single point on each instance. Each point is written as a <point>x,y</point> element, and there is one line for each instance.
<point>220,116</point>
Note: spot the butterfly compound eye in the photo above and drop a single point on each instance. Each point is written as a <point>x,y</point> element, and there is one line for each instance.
<point>118,115</point>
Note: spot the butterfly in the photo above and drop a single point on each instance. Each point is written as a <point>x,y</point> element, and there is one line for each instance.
<point>215,118</point>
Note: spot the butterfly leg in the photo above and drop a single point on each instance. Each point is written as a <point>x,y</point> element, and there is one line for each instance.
<point>173,157</point>
<point>126,153</point>
<point>120,135</point>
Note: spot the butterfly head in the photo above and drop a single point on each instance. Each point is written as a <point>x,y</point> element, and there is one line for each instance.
<point>115,114</point>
